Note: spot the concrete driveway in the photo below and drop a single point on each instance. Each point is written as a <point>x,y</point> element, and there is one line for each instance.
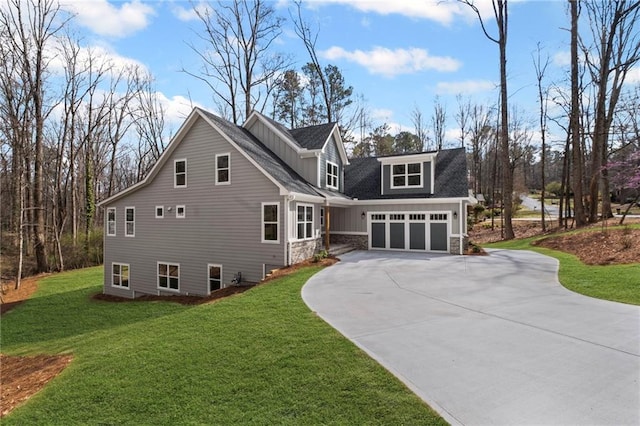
<point>487,340</point>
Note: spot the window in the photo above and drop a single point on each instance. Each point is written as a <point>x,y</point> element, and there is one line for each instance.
<point>305,222</point>
<point>378,217</point>
<point>130,221</point>
<point>223,169</point>
<point>120,275</point>
<point>270,220</point>
<point>406,175</point>
<point>159,212</point>
<point>180,174</point>
<point>322,217</point>
<point>181,212</point>
<point>168,276</point>
<point>332,175</point>
<point>215,277</point>
<point>438,216</point>
<point>111,221</point>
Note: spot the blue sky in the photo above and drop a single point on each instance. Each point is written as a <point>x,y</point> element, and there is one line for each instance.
<point>397,54</point>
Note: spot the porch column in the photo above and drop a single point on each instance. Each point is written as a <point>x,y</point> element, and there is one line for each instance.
<point>327,227</point>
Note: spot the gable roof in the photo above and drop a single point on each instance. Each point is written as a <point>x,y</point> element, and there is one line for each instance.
<point>363,177</point>
<point>313,137</point>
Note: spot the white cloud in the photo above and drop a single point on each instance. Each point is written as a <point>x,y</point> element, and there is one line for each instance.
<point>101,57</point>
<point>633,77</point>
<point>381,114</point>
<point>187,14</point>
<point>464,87</point>
<point>390,63</point>
<point>443,12</point>
<point>562,59</point>
<point>108,19</point>
<point>176,108</point>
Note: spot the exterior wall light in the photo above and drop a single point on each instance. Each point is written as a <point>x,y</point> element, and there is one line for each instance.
<point>455,214</point>
<point>363,215</point>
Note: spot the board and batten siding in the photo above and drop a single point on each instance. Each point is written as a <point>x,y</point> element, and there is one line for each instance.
<point>223,223</point>
<point>331,154</point>
<point>346,220</point>
<point>306,167</point>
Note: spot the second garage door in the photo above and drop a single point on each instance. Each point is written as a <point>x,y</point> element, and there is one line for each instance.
<point>409,231</point>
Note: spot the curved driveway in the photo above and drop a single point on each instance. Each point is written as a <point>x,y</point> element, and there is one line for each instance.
<point>487,340</point>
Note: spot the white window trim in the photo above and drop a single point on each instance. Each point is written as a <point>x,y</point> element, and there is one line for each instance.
<point>228,182</point>
<point>406,176</point>
<point>336,176</point>
<point>120,275</point>
<point>262,222</point>
<point>175,174</point>
<point>115,222</point>
<point>156,212</point>
<point>209,265</point>
<point>158,276</point>
<point>184,209</point>
<point>126,234</point>
<point>305,222</point>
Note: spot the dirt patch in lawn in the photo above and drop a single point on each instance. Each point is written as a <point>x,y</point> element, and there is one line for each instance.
<point>22,377</point>
<point>605,247</point>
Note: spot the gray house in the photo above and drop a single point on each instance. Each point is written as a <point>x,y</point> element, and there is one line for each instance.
<point>227,201</point>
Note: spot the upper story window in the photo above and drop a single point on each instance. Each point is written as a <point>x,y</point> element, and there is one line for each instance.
<point>406,175</point>
<point>159,212</point>
<point>305,221</point>
<point>130,221</point>
<point>223,169</point>
<point>111,221</point>
<point>180,173</point>
<point>181,212</point>
<point>270,222</point>
<point>332,175</point>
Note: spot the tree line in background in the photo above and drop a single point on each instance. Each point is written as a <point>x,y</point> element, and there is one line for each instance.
<point>77,127</point>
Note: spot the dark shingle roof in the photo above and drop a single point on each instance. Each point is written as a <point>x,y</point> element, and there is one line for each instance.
<point>263,156</point>
<point>363,181</point>
<point>313,137</point>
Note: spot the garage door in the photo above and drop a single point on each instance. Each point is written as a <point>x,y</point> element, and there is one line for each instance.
<point>409,231</point>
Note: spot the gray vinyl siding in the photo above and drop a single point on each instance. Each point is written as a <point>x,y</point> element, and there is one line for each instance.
<point>331,153</point>
<point>426,180</point>
<point>222,224</point>
<point>350,219</point>
<point>305,167</point>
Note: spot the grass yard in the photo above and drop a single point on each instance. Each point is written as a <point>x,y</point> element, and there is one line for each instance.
<point>618,283</point>
<point>261,357</point>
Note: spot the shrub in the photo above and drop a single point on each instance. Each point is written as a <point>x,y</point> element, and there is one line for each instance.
<point>322,254</point>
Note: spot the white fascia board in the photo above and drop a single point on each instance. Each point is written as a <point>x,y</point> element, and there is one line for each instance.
<point>306,198</point>
<point>400,201</point>
<point>175,141</point>
<point>308,153</point>
<point>408,158</point>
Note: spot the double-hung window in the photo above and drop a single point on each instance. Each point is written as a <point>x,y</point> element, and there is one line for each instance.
<point>406,175</point>
<point>181,212</point>
<point>332,175</point>
<point>180,173</point>
<point>168,276</point>
<point>223,169</point>
<point>270,221</point>
<point>130,221</point>
<point>120,275</point>
<point>111,221</point>
<point>305,221</point>
<point>159,212</point>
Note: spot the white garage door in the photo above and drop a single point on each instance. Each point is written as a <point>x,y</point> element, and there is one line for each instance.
<point>428,231</point>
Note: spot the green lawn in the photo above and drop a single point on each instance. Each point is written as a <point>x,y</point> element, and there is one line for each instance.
<point>619,283</point>
<point>261,357</point>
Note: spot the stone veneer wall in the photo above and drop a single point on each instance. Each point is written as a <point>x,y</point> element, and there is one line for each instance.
<point>454,244</point>
<point>359,242</point>
<point>303,250</point>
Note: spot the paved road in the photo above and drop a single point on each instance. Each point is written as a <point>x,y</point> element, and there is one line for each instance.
<point>533,204</point>
<point>488,340</point>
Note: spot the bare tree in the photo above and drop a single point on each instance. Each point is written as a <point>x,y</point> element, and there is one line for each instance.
<point>615,51</point>
<point>540,64</point>
<point>237,63</point>
<point>420,127</point>
<point>438,123</point>
<point>462,117</point>
<point>500,12</point>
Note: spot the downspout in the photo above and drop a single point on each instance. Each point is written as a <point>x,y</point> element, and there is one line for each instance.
<point>285,233</point>
<point>463,219</point>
